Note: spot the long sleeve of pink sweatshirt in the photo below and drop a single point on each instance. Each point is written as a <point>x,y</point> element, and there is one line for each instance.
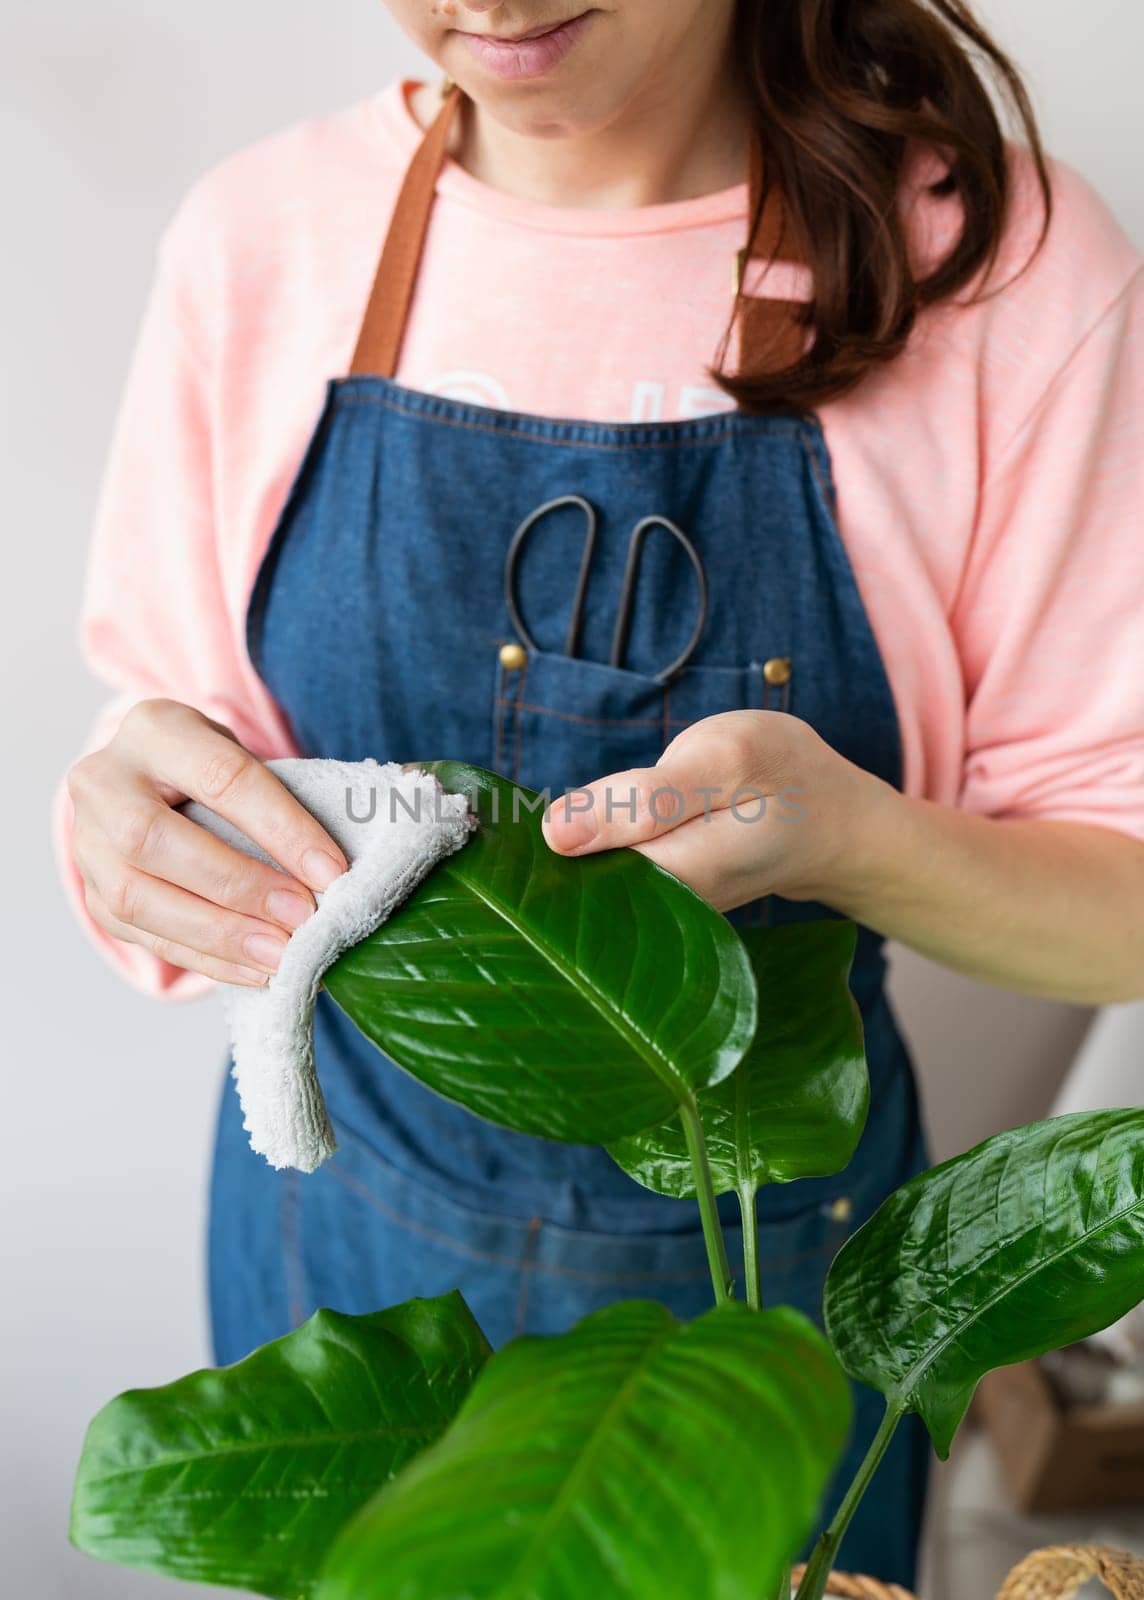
<point>990,480</point>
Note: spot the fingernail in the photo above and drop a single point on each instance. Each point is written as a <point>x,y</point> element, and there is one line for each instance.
<point>264,950</point>
<point>288,909</point>
<point>321,869</point>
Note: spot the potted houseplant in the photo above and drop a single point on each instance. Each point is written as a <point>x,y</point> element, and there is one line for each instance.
<point>394,1455</point>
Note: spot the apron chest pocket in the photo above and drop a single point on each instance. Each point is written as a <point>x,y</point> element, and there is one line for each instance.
<point>560,721</point>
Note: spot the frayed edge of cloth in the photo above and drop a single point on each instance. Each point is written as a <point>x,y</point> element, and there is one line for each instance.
<point>394,826</point>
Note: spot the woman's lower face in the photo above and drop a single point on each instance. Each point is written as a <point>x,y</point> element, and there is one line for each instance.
<point>619,53</point>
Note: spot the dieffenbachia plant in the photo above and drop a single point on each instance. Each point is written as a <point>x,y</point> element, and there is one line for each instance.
<point>395,1456</point>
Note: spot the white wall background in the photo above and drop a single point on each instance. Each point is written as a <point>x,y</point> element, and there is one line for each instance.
<point>108,109</point>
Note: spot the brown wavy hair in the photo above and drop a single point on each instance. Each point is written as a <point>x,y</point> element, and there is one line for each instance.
<point>838,89</point>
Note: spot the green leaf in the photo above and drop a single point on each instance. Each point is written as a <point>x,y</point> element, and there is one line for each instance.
<point>796,1105</point>
<point>243,1475</point>
<point>576,999</point>
<point>1033,1240</point>
<point>634,1456</point>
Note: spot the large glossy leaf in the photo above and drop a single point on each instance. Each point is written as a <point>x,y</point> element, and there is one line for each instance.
<point>577,999</point>
<point>796,1105</point>
<point>1033,1240</point>
<point>243,1475</point>
<point>634,1456</point>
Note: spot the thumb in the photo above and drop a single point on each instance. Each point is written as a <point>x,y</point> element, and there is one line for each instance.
<point>629,808</point>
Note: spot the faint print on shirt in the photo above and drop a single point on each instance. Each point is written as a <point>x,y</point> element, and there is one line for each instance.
<point>648,402</point>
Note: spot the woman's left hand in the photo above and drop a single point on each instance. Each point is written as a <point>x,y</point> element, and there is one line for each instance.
<point>740,805</point>
<point>750,803</point>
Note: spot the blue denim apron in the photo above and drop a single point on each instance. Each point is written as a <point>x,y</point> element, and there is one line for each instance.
<point>378,621</point>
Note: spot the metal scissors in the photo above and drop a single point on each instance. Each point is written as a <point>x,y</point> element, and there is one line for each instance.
<point>623,622</point>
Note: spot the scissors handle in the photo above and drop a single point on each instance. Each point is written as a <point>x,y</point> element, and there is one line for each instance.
<point>576,617</point>
<point>627,595</point>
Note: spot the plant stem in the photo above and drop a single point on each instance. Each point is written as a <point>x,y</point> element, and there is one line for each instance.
<point>708,1210</point>
<point>783,1590</point>
<point>751,1250</point>
<point>821,1563</point>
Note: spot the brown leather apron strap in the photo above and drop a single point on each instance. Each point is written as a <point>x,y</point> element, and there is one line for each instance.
<point>770,337</point>
<point>379,342</point>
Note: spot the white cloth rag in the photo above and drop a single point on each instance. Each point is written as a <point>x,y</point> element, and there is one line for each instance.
<point>394,827</point>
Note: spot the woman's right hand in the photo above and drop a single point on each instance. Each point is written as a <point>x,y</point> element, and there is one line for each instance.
<point>154,878</point>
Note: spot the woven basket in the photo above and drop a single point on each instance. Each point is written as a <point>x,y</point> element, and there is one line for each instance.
<point>1057,1573</point>
<point>855,1588</point>
<point>1053,1574</point>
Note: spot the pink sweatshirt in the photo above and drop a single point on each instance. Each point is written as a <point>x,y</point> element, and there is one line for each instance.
<point>990,481</point>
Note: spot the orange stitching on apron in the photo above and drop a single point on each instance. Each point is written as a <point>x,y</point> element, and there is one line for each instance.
<point>599,722</point>
<point>527,1257</point>
<point>823,490</point>
<point>494,1259</point>
<point>498,719</point>
<point>545,1267</point>
<point>519,736</point>
<point>392,403</point>
<point>291,1249</point>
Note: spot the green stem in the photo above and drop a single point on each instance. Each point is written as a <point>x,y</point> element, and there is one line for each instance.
<point>751,1249</point>
<point>821,1563</point>
<point>783,1590</point>
<point>708,1211</point>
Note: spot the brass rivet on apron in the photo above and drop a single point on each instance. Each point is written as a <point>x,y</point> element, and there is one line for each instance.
<point>777,669</point>
<point>513,657</point>
<point>842,1209</point>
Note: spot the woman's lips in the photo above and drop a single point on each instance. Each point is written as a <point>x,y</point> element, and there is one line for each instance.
<point>527,58</point>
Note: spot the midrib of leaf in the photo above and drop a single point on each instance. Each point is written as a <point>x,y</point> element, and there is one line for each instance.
<point>584,1460</point>
<point>280,1442</point>
<point>902,1390</point>
<point>640,1044</point>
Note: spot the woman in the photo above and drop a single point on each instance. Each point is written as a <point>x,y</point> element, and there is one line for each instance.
<point>767,274</point>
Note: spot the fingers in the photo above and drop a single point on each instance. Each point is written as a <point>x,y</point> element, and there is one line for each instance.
<point>721,762</point>
<point>189,757</point>
<point>154,878</point>
<point>729,857</point>
<point>180,955</point>
<point>146,910</point>
<point>622,809</point>
<point>145,834</point>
